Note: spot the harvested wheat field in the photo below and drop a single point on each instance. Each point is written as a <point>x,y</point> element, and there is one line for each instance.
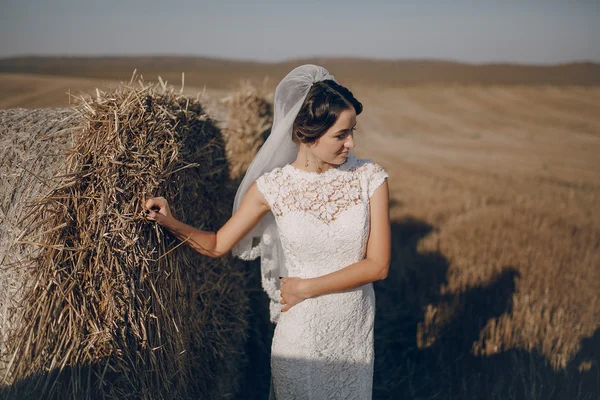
<point>43,91</point>
<point>494,288</point>
<point>493,291</point>
<point>39,91</point>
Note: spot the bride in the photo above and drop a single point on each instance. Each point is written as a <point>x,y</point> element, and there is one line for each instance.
<point>319,219</point>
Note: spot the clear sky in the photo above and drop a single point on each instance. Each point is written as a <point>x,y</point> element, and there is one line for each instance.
<point>525,31</point>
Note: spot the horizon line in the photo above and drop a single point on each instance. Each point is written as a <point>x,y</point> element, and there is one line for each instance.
<point>291,59</point>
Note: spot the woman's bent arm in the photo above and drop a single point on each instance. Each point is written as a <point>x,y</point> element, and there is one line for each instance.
<point>216,244</point>
<point>203,242</point>
<point>376,263</point>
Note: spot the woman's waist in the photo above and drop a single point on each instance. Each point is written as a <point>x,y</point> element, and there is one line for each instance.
<point>315,270</point>
<point>352,303</point>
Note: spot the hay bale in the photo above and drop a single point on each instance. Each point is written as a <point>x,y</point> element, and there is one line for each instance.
<point>249,124</point>
<point>118,308</point>
<point>32,150</point>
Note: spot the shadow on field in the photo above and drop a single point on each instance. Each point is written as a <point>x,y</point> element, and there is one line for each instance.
<point>444,367</point>
<point>408,366</point>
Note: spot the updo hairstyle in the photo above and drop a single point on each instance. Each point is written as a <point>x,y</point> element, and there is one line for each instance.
<point>323,105</point>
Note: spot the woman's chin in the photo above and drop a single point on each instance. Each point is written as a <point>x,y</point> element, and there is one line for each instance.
<point>340,159</point>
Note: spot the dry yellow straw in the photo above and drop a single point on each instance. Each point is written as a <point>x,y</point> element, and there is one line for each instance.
<point>117,307</point>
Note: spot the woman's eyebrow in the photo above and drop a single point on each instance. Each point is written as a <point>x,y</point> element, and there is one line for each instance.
<point>342,130</point>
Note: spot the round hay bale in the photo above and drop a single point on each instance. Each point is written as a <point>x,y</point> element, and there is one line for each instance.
<point>118,307</point>
<point>33,144</point>
<point>249,124</point>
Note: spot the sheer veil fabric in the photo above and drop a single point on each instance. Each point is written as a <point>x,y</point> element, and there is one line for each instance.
<point>277,151</point>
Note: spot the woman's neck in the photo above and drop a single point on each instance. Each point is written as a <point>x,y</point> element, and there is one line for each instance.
<point>314,163</point>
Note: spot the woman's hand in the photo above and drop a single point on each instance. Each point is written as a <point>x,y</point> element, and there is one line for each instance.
<point>157,209</point>
<point>293,291</point>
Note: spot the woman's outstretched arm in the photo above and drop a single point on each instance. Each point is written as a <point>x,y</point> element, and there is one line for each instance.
<point>212,244</point>
<point>373,267</point>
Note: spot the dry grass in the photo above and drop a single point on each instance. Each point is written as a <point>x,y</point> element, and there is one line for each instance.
<point>116,307</point>
<point>42,91</point>
<point>39,91</point>
<point>494,289</point>
<point>34,145</point>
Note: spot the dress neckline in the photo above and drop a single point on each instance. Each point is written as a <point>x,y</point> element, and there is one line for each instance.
<point>330,171</point>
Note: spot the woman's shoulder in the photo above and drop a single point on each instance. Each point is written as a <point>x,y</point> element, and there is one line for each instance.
<point>371,174</point>
<point>365,166</point>
<point>268,183</point>
<point>271,175</point>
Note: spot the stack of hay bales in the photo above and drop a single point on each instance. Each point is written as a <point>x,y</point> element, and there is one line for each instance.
<point>249,124</point>
<point>117,307</point>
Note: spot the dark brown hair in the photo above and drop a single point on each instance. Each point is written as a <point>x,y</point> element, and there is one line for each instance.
<point>323,105</point>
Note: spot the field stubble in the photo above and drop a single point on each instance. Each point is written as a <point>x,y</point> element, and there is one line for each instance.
<point>496,234</point>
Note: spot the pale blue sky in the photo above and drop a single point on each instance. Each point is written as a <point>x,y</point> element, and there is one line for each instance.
<point>526,31</point>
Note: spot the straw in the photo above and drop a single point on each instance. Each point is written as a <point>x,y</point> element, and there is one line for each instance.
<point>116,307</point>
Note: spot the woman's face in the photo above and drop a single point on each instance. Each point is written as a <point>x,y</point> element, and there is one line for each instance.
<point>334,145</point>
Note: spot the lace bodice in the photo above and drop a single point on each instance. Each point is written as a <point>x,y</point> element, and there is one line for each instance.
<point>323,195</point>
<point>322,218</point>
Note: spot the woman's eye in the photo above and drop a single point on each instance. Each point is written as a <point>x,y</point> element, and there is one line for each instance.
<point>343,135</point>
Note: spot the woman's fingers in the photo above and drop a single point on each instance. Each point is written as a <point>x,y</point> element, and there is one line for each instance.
<point>150,214</point>
<point>155,208</point>
<point>151,209</point>
<point>156,203</point>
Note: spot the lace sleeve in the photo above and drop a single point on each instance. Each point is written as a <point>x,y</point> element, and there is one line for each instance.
<point>263,183</point>
<point>376,176</point>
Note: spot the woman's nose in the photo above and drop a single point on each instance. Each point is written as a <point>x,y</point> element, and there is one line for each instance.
<point>349,141</point>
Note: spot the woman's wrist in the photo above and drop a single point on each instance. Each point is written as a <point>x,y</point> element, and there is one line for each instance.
<point>307,289</point>
<point>168,222</point>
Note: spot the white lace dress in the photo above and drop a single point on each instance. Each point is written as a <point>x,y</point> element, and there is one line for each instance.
<point>323,347</point>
